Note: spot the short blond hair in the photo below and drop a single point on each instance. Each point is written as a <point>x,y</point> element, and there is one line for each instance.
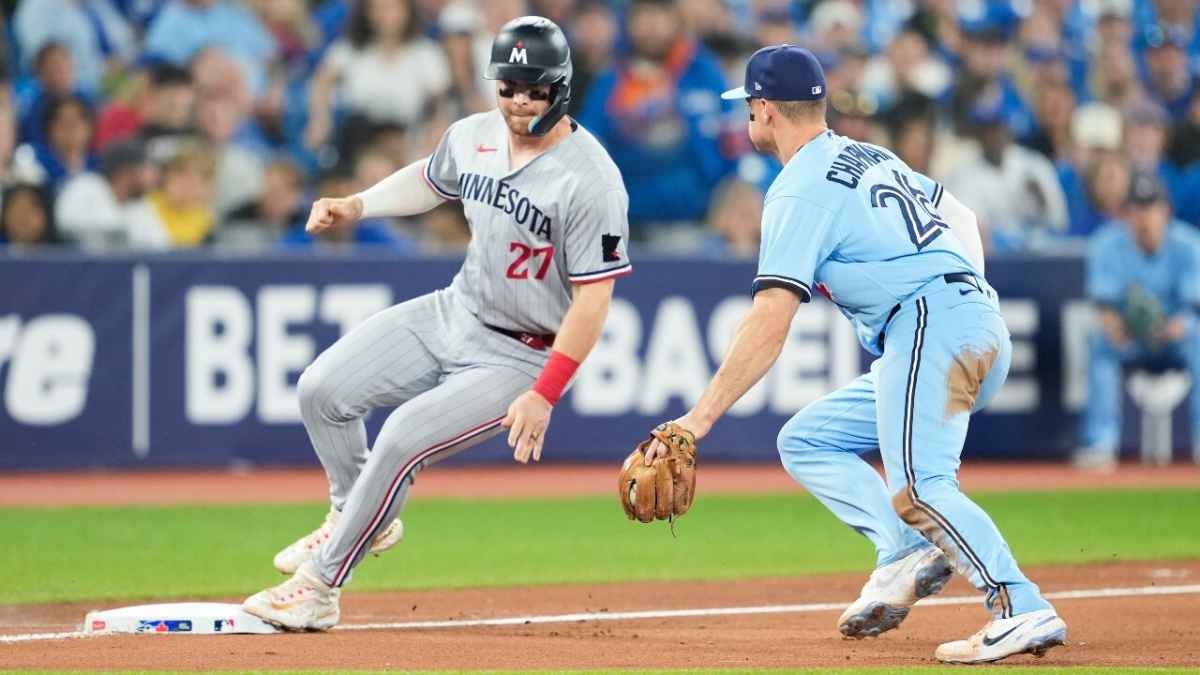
<point>191,156</point>
<point>802,111</point>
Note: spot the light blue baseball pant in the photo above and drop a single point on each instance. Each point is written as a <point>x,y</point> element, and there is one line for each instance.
<point>946,354</point>
<point>1102,414</point>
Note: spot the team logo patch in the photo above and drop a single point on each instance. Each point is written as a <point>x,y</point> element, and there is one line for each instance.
<point>608,244</point>
<point>164,626</point>
<point>816,90</point>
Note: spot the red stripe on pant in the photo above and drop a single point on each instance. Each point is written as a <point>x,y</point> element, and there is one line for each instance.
<point>344,568</point>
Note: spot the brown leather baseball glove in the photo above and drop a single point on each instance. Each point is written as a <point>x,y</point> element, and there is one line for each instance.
<point>664,489</point>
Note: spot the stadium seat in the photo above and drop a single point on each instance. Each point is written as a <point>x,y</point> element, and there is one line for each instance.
<point>1157,394</point>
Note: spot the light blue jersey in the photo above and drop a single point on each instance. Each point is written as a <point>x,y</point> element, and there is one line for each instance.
<point>894,252</point>
<point>855,222</point>
<point>1116,265</point>
<point>1117,268</point>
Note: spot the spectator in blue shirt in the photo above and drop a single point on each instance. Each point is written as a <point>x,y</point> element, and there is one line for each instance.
<point>26,219</point>
<point>184,27</point>
<point>68,128</point>
<point>1145,143</point>
<point>375,232</point>
<point>734,221</point>
<point>986,54</point>
<point>1179,16</point>
<point>1095,174</point>
<point>1167,73</point>
<point>1144,277</point>
<point>93,31</point>
<point>54,70</point>
<point>658,112</point>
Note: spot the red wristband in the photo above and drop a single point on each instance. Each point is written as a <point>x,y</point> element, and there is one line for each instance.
<point>555,376</point>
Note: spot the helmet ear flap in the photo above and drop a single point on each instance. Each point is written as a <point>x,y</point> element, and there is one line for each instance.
<point>560,96</point>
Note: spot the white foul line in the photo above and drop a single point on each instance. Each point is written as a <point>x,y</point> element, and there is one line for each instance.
<point>1136,591</point>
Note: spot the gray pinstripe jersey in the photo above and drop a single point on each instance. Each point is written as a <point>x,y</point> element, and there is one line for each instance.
<point>560,219</point>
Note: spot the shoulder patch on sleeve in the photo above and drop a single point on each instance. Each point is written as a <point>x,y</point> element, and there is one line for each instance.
<point>609,244</point>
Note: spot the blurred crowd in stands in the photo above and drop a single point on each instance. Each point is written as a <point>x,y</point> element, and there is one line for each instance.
<point>169,124</point>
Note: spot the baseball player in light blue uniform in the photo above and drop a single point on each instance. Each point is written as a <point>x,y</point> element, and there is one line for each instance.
<point>1151,261</point>
<point>851,221</point>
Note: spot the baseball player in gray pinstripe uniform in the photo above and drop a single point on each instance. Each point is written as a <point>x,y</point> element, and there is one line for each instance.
<point>548,216</point>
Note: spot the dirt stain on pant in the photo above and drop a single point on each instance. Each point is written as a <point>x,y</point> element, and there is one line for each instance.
<point>937,529</point>
<point>965,378</point>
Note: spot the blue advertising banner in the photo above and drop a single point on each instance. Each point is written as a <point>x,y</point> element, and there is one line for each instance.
<point>191,360</point>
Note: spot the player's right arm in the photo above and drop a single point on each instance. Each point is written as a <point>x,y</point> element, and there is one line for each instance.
<point>404,193</point>
<point>1104,287</point>
<point>413,190</point>
<point>797,235</point>
<point>756,345</point>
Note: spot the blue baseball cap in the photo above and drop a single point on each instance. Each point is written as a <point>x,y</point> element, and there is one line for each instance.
<point>782,73</point>
<point>1145,189</point>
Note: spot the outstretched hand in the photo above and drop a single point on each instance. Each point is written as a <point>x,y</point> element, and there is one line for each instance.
<point>329,214</point>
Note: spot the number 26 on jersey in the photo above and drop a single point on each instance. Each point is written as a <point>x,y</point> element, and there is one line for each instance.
<point>920,216</point>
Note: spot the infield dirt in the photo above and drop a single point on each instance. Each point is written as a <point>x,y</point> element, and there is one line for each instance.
<point>1145,631</point>
<point>1130,631</point>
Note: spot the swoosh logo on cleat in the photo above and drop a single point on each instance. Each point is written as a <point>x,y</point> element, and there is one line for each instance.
<point>989,641</point>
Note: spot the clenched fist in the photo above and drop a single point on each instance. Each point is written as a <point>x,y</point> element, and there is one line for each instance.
<point>329,213</point>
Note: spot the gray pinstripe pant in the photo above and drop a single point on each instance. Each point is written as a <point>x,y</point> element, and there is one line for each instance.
<point>450,379</point>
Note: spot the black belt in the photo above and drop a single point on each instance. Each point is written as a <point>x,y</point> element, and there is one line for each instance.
<point>538,342</point>
<point>952,278</point>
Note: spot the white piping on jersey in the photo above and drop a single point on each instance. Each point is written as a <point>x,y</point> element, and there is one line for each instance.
<point>433,184</point>
<point>798,285</point>
<point>603,274</point>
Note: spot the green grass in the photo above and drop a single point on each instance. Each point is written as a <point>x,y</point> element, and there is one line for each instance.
<point>67,554</point>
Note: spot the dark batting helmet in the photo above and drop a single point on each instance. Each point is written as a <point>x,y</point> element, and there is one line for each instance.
<point>533,49</point>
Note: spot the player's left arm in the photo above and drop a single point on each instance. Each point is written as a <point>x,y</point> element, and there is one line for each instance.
<point>595,255</point>
<point>1183,321</point>
<point>529,415</point>
<point>963,222</point>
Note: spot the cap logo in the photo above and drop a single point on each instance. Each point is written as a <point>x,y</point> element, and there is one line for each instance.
<point>816,90</point>
<point>757,86</point>
<point>518,55</point>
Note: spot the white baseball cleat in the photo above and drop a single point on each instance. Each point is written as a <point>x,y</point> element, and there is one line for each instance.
<point>1097,460</point>
<point>1029,633</point>
<point>892,590</point>
<point>304,602</point>
<point>303,549</point>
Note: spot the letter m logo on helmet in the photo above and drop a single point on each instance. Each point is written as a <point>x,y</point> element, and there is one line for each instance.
<point>533,49</point>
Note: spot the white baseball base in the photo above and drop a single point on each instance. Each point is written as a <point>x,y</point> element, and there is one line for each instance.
<point>179,618</point>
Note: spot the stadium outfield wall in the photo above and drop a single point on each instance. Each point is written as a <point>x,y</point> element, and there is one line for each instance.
<point>190,360</point>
